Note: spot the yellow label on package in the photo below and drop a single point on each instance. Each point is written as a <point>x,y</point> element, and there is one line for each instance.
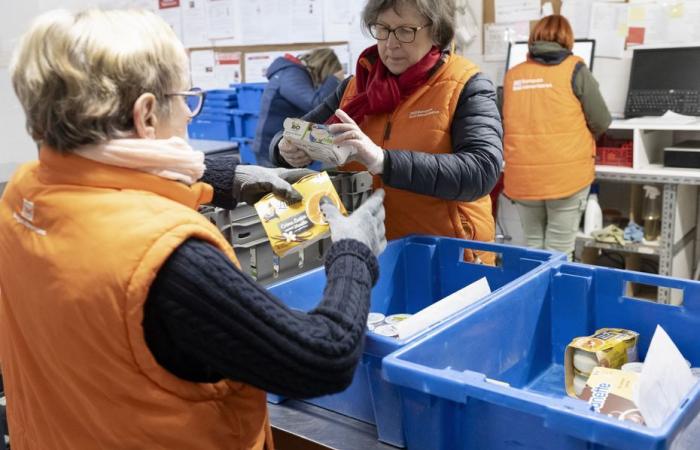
<point>611,392</point>
<point>316,140</point>
<point>293,227</point>
<point>608,347</point>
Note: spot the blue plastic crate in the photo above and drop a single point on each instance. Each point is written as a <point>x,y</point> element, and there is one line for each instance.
<point>212,127</point>
<point>222,94</point>
<point>245,150</point>
<point>249,95</point>
<point>414,272</point>
<point>519,338</point>
<point>229,104</point>
<point>218,111</point>
<point>246,123</point>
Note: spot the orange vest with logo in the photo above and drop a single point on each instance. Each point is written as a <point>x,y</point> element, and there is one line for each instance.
<point>80,245</point>
<point>549,150</point>
<point>422,122</point>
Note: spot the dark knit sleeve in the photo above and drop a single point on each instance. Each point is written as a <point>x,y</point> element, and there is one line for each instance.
<point>204,321</point>
<point>219,174</point>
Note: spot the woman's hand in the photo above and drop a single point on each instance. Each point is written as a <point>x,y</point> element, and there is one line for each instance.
<point>295,156</point>
<point>366,151</point>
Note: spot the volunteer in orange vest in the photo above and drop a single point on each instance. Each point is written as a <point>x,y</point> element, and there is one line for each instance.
<point>423,120</point>
<point>125,321</point>
<point>552,113</point>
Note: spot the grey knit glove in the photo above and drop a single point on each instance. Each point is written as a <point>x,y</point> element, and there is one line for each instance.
<point>251,183</point>
<point>366,224</point>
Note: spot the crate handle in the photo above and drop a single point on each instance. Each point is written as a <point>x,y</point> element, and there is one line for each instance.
<point>690,288</point>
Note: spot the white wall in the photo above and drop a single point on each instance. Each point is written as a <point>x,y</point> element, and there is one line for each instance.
<point>612,74</point>
<point>17,147</point>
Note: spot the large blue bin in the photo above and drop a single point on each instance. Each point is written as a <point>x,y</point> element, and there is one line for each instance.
<point>246,123</point>
<point>245,150</point>
<point>249,95</point>
<point>216,127</point>
<point>519,337</point>
<point>415,272</point>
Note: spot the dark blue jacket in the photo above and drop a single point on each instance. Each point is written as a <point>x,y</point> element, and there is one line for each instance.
<point>289,93</point>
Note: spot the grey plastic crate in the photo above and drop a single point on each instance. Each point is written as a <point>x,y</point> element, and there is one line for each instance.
<point>258,260</point>
<point>352,187</point>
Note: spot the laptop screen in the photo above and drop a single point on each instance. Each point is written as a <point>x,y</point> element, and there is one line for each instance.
<point>665,68</point>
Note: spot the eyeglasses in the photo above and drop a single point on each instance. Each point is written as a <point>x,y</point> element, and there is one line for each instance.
<point>194,98</point>
<point>402,34</point>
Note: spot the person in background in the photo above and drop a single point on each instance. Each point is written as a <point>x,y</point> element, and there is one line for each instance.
<point>295,87</point>
<point>423,120</point>
<point>125,321</point>
<point>552,114</point>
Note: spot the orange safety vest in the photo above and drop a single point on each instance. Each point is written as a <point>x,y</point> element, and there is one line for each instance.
<point>422,122</point>
<point>80,244</point>
<point>549,150</point>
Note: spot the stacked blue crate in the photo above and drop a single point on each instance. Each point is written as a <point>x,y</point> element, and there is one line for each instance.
<point>231,115</point>
<point>249,98</point>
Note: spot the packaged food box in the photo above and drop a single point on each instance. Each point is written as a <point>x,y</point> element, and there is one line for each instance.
<point>316,140</point>
<point>611,392</point>
<point>296,226</point>
<point>608,347</point>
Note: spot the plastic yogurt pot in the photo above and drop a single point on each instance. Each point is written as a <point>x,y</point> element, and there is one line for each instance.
<point>386,330</point>
<point>396,318</point>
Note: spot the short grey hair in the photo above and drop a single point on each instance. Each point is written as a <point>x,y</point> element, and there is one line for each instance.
<point>439,13</point>
<point>77,76</point>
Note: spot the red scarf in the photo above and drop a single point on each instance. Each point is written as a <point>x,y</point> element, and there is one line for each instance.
<point>378,90</point>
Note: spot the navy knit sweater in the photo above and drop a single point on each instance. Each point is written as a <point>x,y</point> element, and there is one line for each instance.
<point>205,320</point>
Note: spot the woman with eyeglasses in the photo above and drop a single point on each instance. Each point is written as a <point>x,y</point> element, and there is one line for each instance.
<point>423,120</point>
<point>125,321</point>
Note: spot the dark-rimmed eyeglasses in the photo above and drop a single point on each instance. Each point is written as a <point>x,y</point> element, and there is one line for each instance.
<point>403,34</point>
<point>194,98</point>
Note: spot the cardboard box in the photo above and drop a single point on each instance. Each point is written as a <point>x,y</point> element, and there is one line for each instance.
<point>296,226</point>
<point>316,140</point>
<point>608,347</point>
<point>611,392</point>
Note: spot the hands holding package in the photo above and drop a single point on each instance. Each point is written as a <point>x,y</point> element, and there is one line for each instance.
<point>346,134</point>
<point>366,224</point>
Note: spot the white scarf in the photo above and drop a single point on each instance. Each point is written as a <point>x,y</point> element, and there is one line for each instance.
<point>172,158</point>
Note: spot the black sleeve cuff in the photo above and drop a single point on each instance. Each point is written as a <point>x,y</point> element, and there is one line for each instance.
<point>219,174</point>
<point>353,249</point>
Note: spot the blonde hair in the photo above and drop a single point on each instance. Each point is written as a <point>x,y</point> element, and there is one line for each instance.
<point>321,63</point>
<point>77,76</point>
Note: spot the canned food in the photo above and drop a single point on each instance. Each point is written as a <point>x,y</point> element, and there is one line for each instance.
<point>387,330</point>
<point>396,318</point>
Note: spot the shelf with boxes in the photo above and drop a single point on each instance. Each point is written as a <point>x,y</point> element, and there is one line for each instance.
<point>676,247</point>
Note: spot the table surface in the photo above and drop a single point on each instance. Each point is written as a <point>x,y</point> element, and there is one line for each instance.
<point>300,426</point>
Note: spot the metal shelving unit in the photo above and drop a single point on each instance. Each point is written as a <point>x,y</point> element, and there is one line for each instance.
<point>676,245</point>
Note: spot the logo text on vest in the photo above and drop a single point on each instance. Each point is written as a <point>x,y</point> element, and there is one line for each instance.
<point>422,113</point>
<point>532,83</point>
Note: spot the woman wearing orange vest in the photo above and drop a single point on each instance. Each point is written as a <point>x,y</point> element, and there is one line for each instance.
<point>552,113</point>
<point>125,322</point>
<point>424,121</point>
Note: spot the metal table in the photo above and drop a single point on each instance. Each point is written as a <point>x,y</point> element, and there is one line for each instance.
<point>300,426</point>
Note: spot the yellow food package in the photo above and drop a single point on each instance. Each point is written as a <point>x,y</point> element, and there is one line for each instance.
<point>608,347</point>
<point>293,227</point>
